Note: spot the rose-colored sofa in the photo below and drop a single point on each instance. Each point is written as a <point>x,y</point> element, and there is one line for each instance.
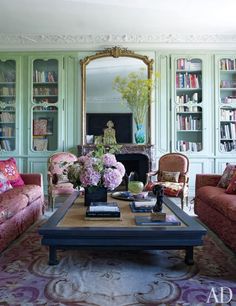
<point>20,207</point>
<point>215,208</point>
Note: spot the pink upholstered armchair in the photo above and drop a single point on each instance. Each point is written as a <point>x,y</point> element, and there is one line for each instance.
<point>172,173</point>
<point>58,184</point>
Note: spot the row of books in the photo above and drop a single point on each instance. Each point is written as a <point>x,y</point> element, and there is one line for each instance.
<point>227,84</point>
<point>227,64</point>
<point>181,99</point>
<point>228,114</point>
<point>188,80</point>
<point>185,64</point>
<point>45,76</point>
<point>228,146</point>
<point>188,123</point>
<point>46,108</point>
<point>7,131</point>
<point>45,91</point>
<point>229,99</point>
<point>7,91</point>
<point>184,146</point>
<point>7,76</point>
<point>187,109</point>
<point>7,117</point>
<point>5,145</point>
<point>228,130</point>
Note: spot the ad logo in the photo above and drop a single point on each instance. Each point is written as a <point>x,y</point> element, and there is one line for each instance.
<point>224,296</point>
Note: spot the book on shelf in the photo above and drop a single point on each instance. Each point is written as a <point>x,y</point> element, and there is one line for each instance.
<point>40,144</point>
<point>40,126</point>
<point>170,220</point>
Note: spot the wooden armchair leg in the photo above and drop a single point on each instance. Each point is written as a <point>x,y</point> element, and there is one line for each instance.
<point>53,203</point>
<point>186,198</point>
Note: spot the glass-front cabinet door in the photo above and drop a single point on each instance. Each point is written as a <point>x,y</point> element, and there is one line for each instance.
<point>187,104</point>
<point>226,104</point>
<point>46,104</point>
<point>7,105</point>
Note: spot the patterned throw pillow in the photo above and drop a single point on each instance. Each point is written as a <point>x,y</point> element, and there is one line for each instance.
<point>170,176</point>
<point>4,183</point>
<point>9,169</point>
<point>226,176</point>
<point>231,189</point>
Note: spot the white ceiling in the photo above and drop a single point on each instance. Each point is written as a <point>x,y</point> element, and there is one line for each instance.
<point>33,23</point>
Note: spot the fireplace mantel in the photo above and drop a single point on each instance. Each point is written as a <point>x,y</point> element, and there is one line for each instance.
<point>146,149</point>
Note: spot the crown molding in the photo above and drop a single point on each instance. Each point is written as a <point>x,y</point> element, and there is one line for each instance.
<point>64,41</point>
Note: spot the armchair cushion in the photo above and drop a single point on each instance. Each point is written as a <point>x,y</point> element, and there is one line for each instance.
<point>9,169</point>
<point>169,176</point>
<point>171,189</point>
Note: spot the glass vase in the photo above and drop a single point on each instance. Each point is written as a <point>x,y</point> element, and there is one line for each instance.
<point>94,194</point>
<point>139,134</point>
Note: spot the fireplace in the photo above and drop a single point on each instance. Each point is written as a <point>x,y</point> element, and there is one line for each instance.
<point>136,158</point>
<point>134,162</point>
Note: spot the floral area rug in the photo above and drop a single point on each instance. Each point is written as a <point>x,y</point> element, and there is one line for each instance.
<point>93,278</point>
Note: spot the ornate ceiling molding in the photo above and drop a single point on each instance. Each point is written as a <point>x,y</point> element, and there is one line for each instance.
<point>29,40</point>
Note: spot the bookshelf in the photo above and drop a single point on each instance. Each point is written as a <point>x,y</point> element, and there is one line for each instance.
<point>187,103</point>
<point>226,104</point>
<point>45,104</point>
<point>7,105</point>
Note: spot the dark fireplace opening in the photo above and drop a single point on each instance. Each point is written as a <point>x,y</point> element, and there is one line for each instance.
<point>123,124</point>
<point>134,162</point>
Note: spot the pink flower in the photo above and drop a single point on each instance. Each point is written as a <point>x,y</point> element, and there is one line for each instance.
<point>89,177</point>
<point>112,178</point>
<point>120,167</point>
<point>102,170</point>
<point>109,160</point>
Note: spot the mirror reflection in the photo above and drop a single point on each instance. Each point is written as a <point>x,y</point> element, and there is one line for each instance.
<point>106,118</point>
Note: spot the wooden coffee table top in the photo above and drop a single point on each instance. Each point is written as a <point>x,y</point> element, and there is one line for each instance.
<point>75,215</point>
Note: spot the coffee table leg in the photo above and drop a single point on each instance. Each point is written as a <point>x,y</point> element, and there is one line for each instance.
<point>52,256</point>
<point>189,256</point>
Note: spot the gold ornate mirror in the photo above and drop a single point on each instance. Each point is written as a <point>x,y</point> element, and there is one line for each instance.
<point>102,106</point>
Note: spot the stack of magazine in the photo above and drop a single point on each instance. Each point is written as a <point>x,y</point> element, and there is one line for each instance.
<point>103,211</point>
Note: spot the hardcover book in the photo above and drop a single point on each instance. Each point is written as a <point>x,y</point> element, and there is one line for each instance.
<point>147,221</point>
<point>142,206</point>
<point>103,210</point>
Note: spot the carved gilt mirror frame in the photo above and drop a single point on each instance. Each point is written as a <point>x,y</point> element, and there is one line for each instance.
<point>114,52</point>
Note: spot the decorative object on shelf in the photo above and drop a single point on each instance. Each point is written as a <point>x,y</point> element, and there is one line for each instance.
<point>136,89</point>
<point>139,134</point>
<point>96,169</point>
<point>109,133</point>
<point>157,214</point>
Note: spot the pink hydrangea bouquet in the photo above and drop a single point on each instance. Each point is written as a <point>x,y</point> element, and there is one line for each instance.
<point>94,170</point>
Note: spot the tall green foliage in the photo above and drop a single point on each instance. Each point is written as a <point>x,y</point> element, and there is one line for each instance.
<point>135,90</point>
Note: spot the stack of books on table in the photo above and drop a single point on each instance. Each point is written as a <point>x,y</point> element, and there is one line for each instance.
<point>145,206</point>
<point>103,211</point>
